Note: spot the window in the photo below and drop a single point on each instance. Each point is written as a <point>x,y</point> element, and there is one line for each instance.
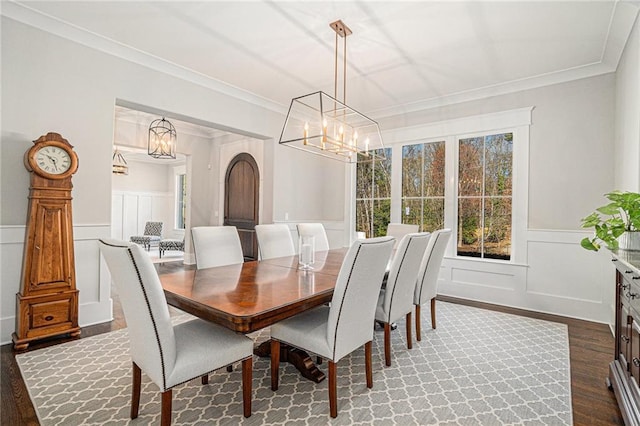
<point>181,198</point>
<point>423,183</point>
<point>373,193</point>
<point>485,171</point>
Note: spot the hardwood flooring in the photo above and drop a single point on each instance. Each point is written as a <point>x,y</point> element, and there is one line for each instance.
<point>591,350</point>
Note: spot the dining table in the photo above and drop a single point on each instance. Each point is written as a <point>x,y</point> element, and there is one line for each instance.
<point>250,296</point>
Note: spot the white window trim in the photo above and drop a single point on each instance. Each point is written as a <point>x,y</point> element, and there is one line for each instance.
<point>516,121</point>
<point>177,171</point>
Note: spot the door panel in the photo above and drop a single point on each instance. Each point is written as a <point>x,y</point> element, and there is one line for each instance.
<point>241,201</point>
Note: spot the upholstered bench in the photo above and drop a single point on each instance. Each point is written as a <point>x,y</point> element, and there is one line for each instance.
<point>152,234</point>
<point>170,244</point>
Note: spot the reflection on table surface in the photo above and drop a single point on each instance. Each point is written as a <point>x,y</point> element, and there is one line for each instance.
<point>248,296</point>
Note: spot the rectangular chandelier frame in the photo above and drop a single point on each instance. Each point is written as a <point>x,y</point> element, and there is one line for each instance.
<point>320,124</point>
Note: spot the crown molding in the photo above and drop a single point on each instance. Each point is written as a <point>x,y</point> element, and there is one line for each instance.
<point>623,17</point>
<point>23,13</point>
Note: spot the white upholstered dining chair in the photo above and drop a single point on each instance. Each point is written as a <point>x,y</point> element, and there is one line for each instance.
<point>399,230</point>
<point>337,330</point>
<point>427,284</point>
<point>216,246</point>
<point>170,355</point>
<point>396,298</point>
<point>316,230</point>
<point>274,240</point>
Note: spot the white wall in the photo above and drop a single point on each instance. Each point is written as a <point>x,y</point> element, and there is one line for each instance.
<point>627,124</point>
<point>74,95</point>
<point>571,163</point>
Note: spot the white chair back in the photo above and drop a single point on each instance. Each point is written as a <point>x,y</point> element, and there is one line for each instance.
<point>399,230</point>
<point>427,284</point>
<point>274,240</point>
<point>216,246</point>
<point>401,281</point>
<point>316,230</point>
<point>151,335</point>
<point>352,311</point>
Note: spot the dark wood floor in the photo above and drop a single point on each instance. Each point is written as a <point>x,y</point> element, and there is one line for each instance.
<point>591,347</point>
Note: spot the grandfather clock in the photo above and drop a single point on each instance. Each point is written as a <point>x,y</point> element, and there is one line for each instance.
<point>47,304</point>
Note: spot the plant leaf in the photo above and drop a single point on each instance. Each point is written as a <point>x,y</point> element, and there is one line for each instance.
<point>588,244</point>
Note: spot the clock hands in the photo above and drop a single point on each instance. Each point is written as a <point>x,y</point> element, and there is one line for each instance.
<point>54,161</point>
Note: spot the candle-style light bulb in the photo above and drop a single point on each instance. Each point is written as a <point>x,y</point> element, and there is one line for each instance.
<point>306,132</point>
<point>341,134</point>
<point>324,131</point>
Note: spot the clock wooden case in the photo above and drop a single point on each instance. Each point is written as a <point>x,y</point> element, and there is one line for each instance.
<point>47,304</point>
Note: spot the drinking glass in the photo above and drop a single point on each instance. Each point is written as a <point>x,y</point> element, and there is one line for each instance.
<point>306,251</point>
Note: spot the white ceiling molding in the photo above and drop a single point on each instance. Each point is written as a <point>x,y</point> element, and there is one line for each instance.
<point>620,25</point>
<point>26,15</point>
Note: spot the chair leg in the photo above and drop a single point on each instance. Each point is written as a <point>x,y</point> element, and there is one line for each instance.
<point>161,251</point>
<point>333,389</point>
<point>205,379</point>
<point>135,391</point>
<point>367,364</point>
<point>387,344</point>
<point>433,313</point>
<point>275,364</point>
<point>409,337</point>
<point>418,325</point>
<point>165,417</point>
<point>247,377</point>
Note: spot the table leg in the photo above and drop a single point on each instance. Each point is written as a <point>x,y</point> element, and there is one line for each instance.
<point>298,358</point>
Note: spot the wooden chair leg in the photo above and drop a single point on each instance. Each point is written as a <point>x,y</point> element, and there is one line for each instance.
<point>433,313</point>
<point>333,389</point>
<point>367,364</point>
<point>387,344</point>
<point>275,364</point>
<point>205,379</point>
<point>418,328</point>
<point>409,336</point>
<point>165,417</point>
<point>247,377</point>
<point>135,390</point>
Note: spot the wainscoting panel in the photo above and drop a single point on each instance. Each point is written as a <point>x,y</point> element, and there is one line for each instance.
<point>559,277</point>
<point>95,299</point>
<point>491,279</point>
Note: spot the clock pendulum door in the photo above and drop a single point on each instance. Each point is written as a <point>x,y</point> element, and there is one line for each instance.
<point>47,304</point>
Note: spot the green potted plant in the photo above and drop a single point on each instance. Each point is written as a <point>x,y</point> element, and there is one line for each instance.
<point>616,224</point>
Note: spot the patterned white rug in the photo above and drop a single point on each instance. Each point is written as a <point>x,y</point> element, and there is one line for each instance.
<point>478,367</point>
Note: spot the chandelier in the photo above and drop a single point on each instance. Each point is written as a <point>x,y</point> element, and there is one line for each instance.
<point>323,125</point>
<point>162,139</point>
<point>119,166</point>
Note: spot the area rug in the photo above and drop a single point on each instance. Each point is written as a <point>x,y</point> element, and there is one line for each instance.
<point>478,367</point>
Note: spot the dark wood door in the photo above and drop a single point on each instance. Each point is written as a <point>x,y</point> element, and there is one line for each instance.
<point>242,187</point>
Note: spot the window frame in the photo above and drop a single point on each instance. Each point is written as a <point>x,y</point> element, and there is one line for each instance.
<point>516,121</point>
<point>178,174</point>
<point>456,195</point>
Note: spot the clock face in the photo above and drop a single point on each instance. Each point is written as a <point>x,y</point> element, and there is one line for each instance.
<point>53,159</point>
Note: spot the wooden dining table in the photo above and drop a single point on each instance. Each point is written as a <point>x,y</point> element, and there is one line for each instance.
<point>253,295</point>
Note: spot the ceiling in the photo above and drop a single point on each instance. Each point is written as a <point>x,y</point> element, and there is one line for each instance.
<point>402,54</point>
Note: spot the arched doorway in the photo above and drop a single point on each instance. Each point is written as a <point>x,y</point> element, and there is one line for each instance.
<point>241,197</point>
